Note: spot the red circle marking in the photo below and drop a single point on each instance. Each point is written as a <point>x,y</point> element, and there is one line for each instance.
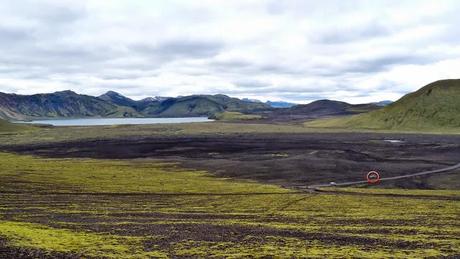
<point>373,177</point>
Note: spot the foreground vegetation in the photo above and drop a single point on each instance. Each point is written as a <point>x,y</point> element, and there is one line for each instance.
<point>144,208</point>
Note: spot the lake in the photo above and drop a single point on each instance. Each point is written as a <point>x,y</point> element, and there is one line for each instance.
<point>115,121</point>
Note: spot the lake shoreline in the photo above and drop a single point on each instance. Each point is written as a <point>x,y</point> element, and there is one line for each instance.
<point>61,122</point>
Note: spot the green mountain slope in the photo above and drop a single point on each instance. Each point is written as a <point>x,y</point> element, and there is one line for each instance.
<point>111,104</point>
<point>6,126</point>
<point>59,104</point>
<point>200,105</point>
<point>435,106</point>
<point>118,99</point>
<point>189,106</point>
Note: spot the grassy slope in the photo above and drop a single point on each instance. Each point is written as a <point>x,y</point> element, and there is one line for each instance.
<point>117,176</point>
<point>7,127</point>
<point>434,107</point>
<point>192,106</point>
<point>234,116</point>
<point>286,225</point>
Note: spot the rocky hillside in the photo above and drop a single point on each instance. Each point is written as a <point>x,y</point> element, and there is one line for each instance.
<point>201,105</point>
<point>59,104</point>
<point>111,104</point>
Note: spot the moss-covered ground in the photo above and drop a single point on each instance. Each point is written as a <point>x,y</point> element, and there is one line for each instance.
<point>143,208</point>
<point>45,134</point>
<point>235,116</point>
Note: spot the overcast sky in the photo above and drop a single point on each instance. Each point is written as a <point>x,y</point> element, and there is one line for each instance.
<point>355,51</point>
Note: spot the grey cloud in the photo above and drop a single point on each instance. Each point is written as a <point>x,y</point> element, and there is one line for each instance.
<point>247,67</point>
<point>276,7</point>
<point>62,14</point>
<point>373,64</point>
<point>10,35</point>
<point>251,84</point>
<point>342,35</point>
<point>180,49</point>
<point>295,96</point>
<point>384,62</point>
<point>190,49</point>
<point>280,69</point>
<point>53,13</point>
<point>284,89</point>
<point>73,53</point>
<point>301,8</point>
<point>230,64</point>
<point>126,75</point>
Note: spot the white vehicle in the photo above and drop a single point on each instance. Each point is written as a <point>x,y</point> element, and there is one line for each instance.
<point>332,184</point>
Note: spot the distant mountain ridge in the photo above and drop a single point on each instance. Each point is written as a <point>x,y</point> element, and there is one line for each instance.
<point>383,103</point>
<point>280,104</point>
<point>59,104</point>
<point>320,108</point>
<point>111,104</point>
<point>117,99</point>
<point>68,104</point>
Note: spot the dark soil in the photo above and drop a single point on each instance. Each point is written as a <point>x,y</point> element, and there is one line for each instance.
<point>11,252</point>
<point>285,159</point>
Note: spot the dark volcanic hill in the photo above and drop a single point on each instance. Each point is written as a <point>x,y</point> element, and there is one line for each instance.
<point>320,108</point>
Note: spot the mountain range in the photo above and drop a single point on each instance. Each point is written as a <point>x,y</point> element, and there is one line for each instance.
<point>59,104</point>
<point>111,104</point>
<point>434,106</point>
<point>273,104</point>
<point>318,109</point>
<point>68,104</point>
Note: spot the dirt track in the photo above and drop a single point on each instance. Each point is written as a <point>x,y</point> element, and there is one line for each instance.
<point>393,178</point>
<point>286,159</point>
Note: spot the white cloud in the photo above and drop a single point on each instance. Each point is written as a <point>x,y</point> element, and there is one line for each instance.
<point>295,50</point>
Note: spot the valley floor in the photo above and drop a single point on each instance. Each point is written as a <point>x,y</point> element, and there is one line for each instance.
<point>285,159</point>
<point>139,208</point>
<point>220,189</point>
